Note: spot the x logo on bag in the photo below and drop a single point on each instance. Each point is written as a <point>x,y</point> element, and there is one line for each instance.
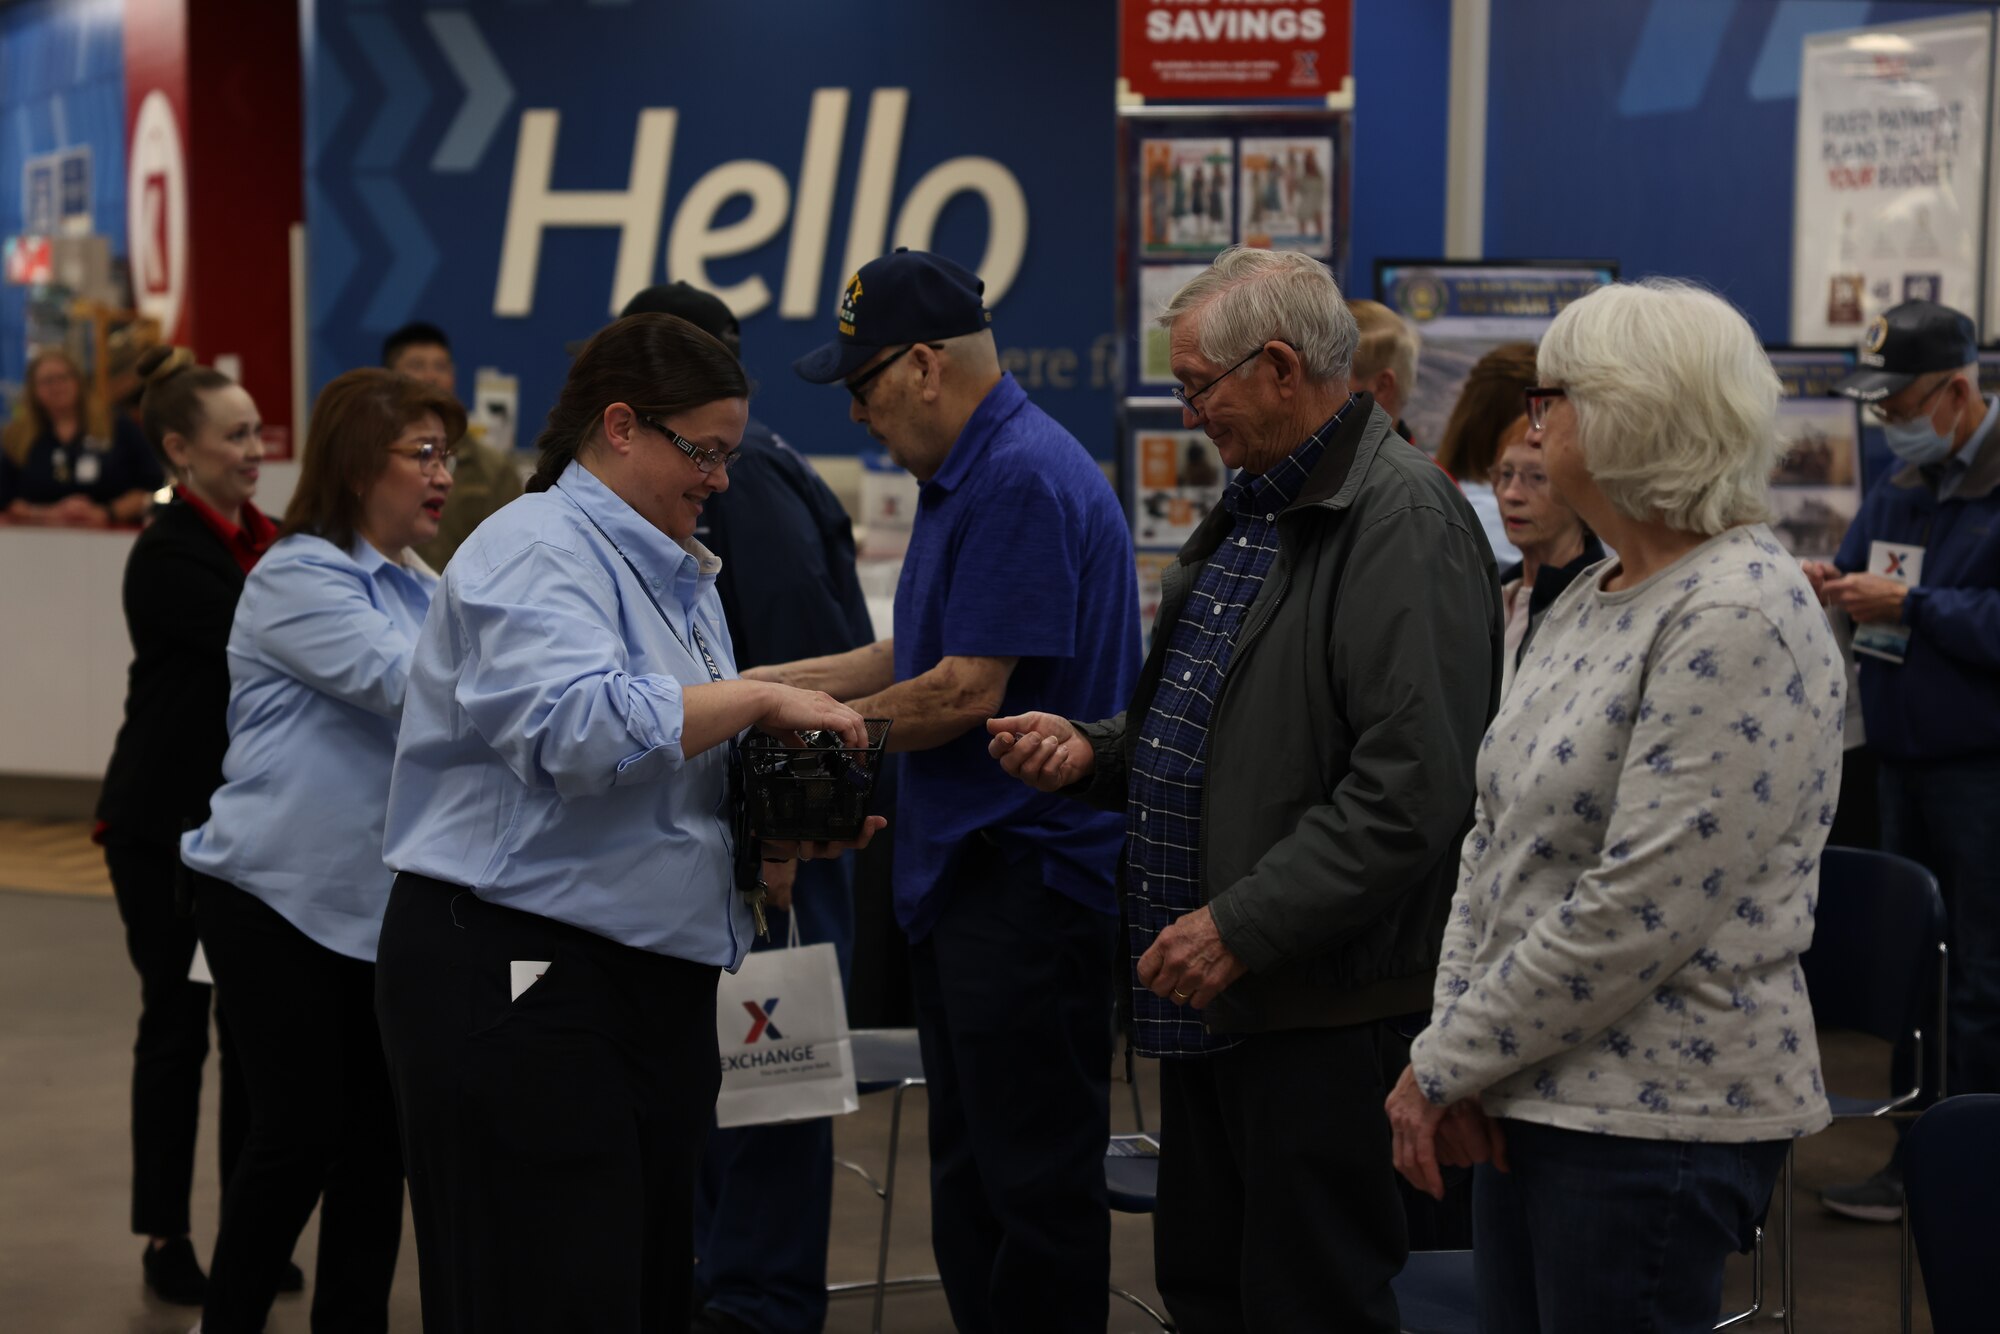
<point>760,1021</point>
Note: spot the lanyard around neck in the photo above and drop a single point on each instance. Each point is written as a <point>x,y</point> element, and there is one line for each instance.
<point>694,627</point>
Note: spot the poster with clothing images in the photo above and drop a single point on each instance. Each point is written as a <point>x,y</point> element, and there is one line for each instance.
<point>1157,285</point>
<point>1816,486</point>
<point>1180,480</point>
<point>1186,196</point>
<point>1286,192</point>
<point>1890,198</point>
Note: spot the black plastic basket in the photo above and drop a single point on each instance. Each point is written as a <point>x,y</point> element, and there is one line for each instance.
<point>808,792</point>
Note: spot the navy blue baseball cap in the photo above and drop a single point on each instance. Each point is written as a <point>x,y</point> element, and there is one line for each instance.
<point>911,296</point>
<point>1905,342</point>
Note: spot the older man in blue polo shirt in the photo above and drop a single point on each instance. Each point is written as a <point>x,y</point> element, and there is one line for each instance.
<point>1018,593</point>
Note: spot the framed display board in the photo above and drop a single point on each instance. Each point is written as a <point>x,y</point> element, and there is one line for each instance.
<point>1816,488</point>
<point>1463,309</point>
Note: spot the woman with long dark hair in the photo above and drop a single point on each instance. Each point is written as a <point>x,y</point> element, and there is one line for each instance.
<point>288,879</point>
<point>569,885</point>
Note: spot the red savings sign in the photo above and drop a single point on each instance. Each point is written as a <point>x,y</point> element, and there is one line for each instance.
<point>1235,50</point>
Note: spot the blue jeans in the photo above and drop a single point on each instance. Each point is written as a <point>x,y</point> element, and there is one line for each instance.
<point>1941,815</point>
<point>764,1199</point>
<point>1592,1233</point>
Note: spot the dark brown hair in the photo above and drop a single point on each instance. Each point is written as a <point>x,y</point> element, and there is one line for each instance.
<point>171,403</point>
<point>1487,406</point>
<point>355,420</point>
<point>658,365</point>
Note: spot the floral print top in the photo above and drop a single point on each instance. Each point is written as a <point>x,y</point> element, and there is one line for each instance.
<point>1622,954</point>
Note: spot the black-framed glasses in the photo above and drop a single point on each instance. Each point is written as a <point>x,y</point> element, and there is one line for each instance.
<point>429,455</point>
<point>705,460</point>
<point>1922,409</point>
<point>1186,398</point>
<point>859,384</point>
<point>1537,402</point>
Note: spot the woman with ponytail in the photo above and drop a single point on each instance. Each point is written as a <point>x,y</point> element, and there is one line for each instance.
<point>569,883</point>
<point>182,581</point>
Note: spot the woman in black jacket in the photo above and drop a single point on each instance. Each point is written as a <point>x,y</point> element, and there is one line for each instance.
<point>181,585</point>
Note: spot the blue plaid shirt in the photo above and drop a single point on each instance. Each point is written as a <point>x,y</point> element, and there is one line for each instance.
<point>1169,766</point>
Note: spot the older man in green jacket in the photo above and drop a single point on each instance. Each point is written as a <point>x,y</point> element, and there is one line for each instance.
<point>1296,772</point>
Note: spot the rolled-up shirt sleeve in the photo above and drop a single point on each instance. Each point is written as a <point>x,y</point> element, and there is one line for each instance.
<point>545,679</point>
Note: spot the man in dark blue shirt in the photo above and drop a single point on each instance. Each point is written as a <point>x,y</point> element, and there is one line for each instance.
<point>788,590</point>
<point>1018,592</point>
<point>1919,572</point>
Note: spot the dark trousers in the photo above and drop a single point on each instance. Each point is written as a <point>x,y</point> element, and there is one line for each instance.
<point>1013,996</point>
<point>1591,1233</point>
<point>1857,819</point>
<point>1278,1211</point>
<point>552,1140</point>
<point>767,1266</point>
<point>172,1046</point>
<point>1945,816</point>
<point>322,1125</point>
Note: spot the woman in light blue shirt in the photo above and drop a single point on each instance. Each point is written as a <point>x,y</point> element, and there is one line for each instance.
<point>569,885</point>
<point>288,879</point>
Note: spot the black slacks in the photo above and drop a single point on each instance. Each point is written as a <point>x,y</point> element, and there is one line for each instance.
<point>1278,1211</point>
<point>172,1045</point>
<point>322,1124</point>
<point>1013,993</point>
<point>553,1139</point>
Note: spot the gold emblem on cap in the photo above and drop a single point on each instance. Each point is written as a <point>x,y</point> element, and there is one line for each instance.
<point>1878,333</point>
<point>847,300</point>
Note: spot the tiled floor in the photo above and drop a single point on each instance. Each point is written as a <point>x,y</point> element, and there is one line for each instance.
<point>67,1266</point>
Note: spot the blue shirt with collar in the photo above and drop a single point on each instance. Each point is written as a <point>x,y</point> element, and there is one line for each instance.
<point>540,759</point>
<point>1942,702</point>
<point>1020,549</point>
<point>319,661</point>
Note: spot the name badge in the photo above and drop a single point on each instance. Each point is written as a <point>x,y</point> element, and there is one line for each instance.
<point>1904,564</point>
<point>88,469</point>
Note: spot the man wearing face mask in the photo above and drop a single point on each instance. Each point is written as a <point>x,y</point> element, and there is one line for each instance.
<point>1920,574</point>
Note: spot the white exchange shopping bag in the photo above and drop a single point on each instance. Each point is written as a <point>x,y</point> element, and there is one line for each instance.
<point>781,1030</point>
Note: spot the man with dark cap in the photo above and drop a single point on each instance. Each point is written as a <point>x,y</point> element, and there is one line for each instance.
<point>1018,593</point>
<point>1920,575</point>
<point>788,590</point>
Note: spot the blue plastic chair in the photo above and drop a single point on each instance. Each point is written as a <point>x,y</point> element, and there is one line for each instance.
<point>1878,966</point>
<point>1132,1178</point>
<point>886,1060</point>
<point>1951,1161</point>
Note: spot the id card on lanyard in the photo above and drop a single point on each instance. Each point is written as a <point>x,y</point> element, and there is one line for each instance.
<point>749,867</point>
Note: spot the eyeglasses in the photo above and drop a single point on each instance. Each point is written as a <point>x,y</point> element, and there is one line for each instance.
<point>1537,402</point>
<point>705,460</point>
<point>1532,480</point>
<point>859,383</point>
<point>429,456</point>
<point>1922,409</point>
<point>1186,398</point>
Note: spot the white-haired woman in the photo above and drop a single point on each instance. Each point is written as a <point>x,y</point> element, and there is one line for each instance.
<point>1620,1034</point>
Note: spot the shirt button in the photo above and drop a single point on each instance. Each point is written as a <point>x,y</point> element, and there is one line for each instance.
<point>1156,743</point>
<point>1187,676</point>
<point>1142,817</point>
<point>1218,609</point>
<point>1270,518</point>
<point>1242,541</point>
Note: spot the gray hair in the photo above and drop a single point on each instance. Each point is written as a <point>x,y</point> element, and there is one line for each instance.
<point>1247,298</point>
<point>1676,403</point>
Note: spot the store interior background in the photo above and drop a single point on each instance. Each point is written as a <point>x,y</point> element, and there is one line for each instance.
<point>350,164</point>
